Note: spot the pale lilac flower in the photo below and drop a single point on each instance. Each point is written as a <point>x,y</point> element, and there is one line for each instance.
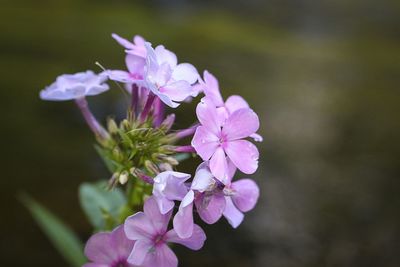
<point>136,47</point>
<point>206,193</point>
<point>240,196</point>
<point>75,86</point>
<point>109,249</point>
<point>149,231</point>
<point>215,140</point>
<point>169,186</point>
<point>210,86</point>
<point>170,81</point>
<point>135,61</point>
<point>212,200</point>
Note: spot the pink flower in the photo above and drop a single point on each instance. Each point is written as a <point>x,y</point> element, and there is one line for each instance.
<point>208,199</point>
<point>212,200</point>
<point>149,231</point>
<point>109,249</point>
<point>135,61</point>
<point>217,139</point>
<point>136,47</point>
<point>240,196</point>
<point>169,186</point>
<point>170,81</point>
<point>210,87</point>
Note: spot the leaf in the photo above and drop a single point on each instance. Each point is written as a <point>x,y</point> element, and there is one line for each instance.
<point>97,201</point>
<point>61,236</point>
<point>183,156</point>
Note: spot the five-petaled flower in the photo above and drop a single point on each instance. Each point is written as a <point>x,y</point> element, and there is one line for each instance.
<point>170,81</point>
<point>217,139</point>
<point>109,249</point>
<point>74,86</point>
<point>149,231</point>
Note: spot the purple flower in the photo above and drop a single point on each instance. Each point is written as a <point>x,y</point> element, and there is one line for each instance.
<point>169,186</point>
<point>109,249</point>
<point>135,61</point>
<point>170,81</point>
<point>209,85</point>
<point>75,86</point>
<point>240,196</point>
<point>136,47</point>
<point>212,200</point>
<point>208,198</point>
<point>217,139</point>
<point>149,230</point>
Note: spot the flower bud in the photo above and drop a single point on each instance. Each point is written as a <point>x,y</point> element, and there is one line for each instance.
<point>151,167</point>
<point>123,177</point>
<point>112,126</point>
<point>168,122</point>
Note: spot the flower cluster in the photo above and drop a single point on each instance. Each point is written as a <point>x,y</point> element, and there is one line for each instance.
<point>142,153</point>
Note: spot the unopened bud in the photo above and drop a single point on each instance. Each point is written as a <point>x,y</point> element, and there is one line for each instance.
<point>151,167</point>
<point>125,123</point>
<point>117,153</point>
<point>165,167</point>
<point>112,126</point>
<point>171,160</point>
<point>168,122</point>
<point>123,177</point>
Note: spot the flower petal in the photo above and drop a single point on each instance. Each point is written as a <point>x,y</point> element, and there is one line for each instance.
<point>158,220</point>
<point>140,251</point>
<point>232,214</point>
<point>165,56</point>
<point>246,196</point>
<point>163,74</point>
<point>186,72</point>
<point>243,154</point>
<point>235,102</point>
<point>120,76</point>
<point>219,166</point>
<point>121,245</point>
<point>139,227</point>
<point>241,124</point>
<point>99,249</point>
<point>194,242</point>
<point>171,184</point>
<point>211,89</point>
<point>183,220</point>
<point>161,256</point>
<point>177,91</point>
<point>203,178</point>
<point>208,116</point>
<point>135,64</point>
<point>122,41</point>
<point>210,207</point>
<point>204,142</point>
<point>256,137</point>
<point>90,264</point>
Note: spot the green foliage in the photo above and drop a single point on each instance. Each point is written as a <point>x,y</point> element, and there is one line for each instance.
<point>102,206</point>
<point>62,237</point>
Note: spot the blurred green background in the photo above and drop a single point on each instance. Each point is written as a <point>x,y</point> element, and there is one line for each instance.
<point>322,75</point>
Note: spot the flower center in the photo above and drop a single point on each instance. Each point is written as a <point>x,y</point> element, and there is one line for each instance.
<point>121,263</point>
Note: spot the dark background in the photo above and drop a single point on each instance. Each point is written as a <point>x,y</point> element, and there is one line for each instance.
<point>322,75</point>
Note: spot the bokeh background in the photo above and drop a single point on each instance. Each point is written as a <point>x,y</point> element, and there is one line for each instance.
<point>323,76</point>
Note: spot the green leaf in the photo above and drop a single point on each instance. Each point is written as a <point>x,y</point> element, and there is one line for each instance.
<point>183,156</point>
<point>62,237</point>
<point>97,201</point>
